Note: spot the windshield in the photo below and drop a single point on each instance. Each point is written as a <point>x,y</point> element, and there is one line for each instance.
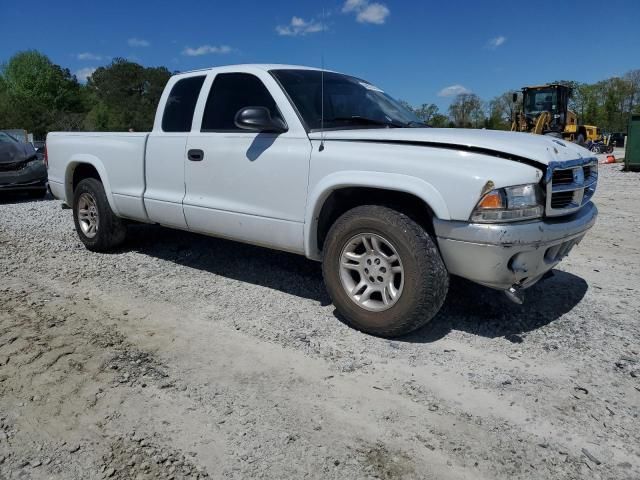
<point>349,102</point>
<point>6,138</point>
<point>540,101</point>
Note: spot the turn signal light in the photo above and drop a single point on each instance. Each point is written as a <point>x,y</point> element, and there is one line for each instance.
<point>492,200</point>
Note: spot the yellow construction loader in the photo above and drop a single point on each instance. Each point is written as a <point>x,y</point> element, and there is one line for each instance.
<point>594,133</point>
<point>545,111</point>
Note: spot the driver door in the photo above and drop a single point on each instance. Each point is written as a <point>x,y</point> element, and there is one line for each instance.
<point>244,185</point>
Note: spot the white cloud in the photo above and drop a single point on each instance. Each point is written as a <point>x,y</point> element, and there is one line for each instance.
<point>353,5</point>
<point>496,42</point>
<point>375,13</point>
<point>206,50</point>
<point>299,26</point>
<point>367,12</point>
<point>84,73</point>
<point>138,42</point>
<point>453,90</point>
<point>88,56</point>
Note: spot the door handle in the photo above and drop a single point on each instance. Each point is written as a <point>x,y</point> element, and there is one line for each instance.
<point>195,155</point>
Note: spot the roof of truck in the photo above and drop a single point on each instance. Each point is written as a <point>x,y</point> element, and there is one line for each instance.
<point>261,66</point>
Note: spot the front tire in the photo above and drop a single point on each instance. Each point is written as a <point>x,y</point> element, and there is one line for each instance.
<point>383,271</point>
<point>97,226</point>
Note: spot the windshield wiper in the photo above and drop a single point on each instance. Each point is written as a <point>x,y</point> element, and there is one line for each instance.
<point>366,121</point>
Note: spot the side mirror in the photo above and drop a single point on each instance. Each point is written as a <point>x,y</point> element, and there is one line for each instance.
<point>515,97</point>
<point>258,119</point>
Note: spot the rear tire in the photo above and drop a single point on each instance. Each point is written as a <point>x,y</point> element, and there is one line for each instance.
<point>98,227</point>
<point>392,265</point>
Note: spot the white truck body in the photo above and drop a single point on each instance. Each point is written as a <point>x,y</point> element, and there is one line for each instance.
<point>269,188</point>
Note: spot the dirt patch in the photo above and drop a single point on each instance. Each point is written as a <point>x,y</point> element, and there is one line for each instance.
<point>133,456</point>
<point>227,360</point>
<point>379,462</point>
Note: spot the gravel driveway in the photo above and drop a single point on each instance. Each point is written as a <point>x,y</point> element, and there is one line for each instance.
<point>183,356</point>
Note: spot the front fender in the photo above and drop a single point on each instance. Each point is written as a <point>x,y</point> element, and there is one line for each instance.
<point>384,181</point>
<point>95,162</point>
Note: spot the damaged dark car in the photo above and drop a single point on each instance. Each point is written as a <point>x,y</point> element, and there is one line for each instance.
<point>22,169</point>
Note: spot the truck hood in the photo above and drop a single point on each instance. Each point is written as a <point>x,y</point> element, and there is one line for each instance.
<point>523,147</point>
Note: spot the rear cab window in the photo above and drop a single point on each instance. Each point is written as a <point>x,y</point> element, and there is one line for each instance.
<point>178,111</point>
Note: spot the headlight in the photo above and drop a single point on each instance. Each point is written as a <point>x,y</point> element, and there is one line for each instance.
<point>509,204</point>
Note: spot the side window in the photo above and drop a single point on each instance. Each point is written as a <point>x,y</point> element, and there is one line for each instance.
<point>229,93</point>
<point>178,112</point>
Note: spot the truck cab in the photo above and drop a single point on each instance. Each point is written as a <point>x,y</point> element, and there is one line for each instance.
<point>202,169</point>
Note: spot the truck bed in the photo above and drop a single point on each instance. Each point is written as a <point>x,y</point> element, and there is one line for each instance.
<point>118,157</point>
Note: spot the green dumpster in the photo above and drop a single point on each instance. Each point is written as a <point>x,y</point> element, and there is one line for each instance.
<point>632,150</point>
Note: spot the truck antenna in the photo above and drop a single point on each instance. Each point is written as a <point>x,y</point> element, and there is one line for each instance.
<point>321,147</point>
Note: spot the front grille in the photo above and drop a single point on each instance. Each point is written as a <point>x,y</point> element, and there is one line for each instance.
<point>563,177</point>
<point>570,185</point>
<point>561,200</point>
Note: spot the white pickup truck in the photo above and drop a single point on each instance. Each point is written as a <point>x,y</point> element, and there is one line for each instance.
<point>331,167</point>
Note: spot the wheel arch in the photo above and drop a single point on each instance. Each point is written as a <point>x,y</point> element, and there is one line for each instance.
<point>87,166</point>
<point>340,192</point>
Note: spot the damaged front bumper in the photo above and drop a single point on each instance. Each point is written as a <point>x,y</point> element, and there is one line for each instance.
<point>33,176</point>
<point>505,255</point>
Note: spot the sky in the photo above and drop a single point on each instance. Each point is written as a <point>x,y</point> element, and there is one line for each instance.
<point>420,51</point>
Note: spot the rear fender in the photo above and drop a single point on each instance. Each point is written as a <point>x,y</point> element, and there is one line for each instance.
<point>95,162</point>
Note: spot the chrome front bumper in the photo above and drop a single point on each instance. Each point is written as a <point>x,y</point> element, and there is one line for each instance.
<point>500,256</point>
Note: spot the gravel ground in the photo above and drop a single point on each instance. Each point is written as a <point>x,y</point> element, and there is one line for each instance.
<point>182,356</point>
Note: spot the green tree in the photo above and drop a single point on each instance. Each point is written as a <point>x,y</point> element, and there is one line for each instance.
<point>615,93</point>
<point>502,109</point>
<point>581,98</point>
<point>439,121</point>
<point>5,110</point>
<point>38,91</point>
<point>633,79</point>
<point>125,95</point>
<point>466,111</point>
<point>591,111</point>
<point>426,112</point>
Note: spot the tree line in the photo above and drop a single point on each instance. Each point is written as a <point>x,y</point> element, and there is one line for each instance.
<point>607,104</point>
<point>39,96</point>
